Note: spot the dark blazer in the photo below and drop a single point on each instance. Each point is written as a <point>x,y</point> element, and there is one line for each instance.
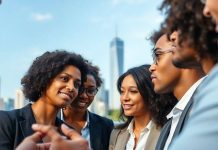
<point>15,125</point>
<point>166,129</point>
<point>100,129</point>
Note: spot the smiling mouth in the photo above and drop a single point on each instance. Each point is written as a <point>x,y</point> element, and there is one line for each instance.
<point>67,95</point>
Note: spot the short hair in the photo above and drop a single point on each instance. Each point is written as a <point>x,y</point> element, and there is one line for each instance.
<point>158,105</point>
<point>186,16</point>
<point>94,71</point>
<point>46,67</point>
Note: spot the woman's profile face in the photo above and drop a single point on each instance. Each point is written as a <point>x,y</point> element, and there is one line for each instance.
<point>63,89</point>
<point>131,100</point>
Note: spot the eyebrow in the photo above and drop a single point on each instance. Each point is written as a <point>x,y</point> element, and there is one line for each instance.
<point>71,76</point>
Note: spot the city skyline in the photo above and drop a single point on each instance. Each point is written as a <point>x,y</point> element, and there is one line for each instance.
<point>85,27</point>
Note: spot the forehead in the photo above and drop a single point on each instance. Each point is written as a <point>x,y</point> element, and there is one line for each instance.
<point>90,81</point>
<point>72,71</point>
<point>162,42</point>
<point>128,81</point>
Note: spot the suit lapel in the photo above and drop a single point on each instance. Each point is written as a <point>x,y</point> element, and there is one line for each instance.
<point>26,120</point>
<point>95,129</point>
<point>122,140</point>
<point>183,118</point>
<point>152,138</point>
<point>164,135</point>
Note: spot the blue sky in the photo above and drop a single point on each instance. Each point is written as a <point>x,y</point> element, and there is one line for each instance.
<point>29,28</point>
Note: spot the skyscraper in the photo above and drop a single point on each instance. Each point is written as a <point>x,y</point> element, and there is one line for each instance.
<point>116,69</point>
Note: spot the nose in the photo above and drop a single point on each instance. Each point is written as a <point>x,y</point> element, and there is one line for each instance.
<point>70,86</point>
<point>83,94</point>
<point>124,97</point>
<point>152,68</point>
<point>206,11</point>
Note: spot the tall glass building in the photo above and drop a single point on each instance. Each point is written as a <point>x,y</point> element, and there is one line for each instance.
<point>116,69</point>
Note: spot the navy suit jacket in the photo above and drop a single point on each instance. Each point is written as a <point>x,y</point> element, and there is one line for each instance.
<point>166,129</point>
<point>15,125</point>
<point>100,129</point>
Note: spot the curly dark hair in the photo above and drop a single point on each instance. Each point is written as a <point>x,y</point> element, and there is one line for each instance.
<point>186,16</point>
<point>94,71</point>
<point>159,105</point>
<point>46,67</point>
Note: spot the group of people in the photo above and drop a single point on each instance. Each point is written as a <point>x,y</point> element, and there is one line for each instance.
<point>170,104</point>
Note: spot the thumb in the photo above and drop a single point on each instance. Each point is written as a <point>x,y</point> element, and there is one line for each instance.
<point>36,137</point>
<point>70,133</point>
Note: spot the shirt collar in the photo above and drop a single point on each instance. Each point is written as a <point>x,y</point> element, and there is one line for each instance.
<point>87,120</point>
<point>147,128</point>
<point>180,106</point>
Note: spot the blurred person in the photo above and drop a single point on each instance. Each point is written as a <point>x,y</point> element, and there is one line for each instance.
<point>211,10</point>
<point>142,110</point>
<point>197,32</point>
<point>92,127</point>
<point>181,82</point>
<point>52,82</point>
<point>74,142</point>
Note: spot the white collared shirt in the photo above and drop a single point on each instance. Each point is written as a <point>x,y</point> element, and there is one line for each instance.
<point>85,130</point>
<point>177,110</point>
<point>142,138</point>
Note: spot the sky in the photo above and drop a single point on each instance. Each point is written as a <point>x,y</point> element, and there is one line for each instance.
<point>29,28</point>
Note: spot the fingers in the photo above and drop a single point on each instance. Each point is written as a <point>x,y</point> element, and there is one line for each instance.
<point>36,137</point>
<point>70,133</point>
<point>48,130</point>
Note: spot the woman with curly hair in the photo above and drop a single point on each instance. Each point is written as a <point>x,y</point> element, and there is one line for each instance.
<point>143,111</point>
<point>94,128</point>
<point>52,82</point>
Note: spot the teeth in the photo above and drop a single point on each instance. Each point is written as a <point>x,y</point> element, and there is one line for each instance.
<point>64,94</point>
<point>81,104</point>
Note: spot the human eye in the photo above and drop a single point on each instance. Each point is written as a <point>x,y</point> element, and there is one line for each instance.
<point>64,78</point>
<point>77,84</point>
<point>91,90</point>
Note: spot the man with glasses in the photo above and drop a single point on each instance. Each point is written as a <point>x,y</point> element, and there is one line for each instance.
<point>197,32</point>
<point>92,127</point>
<point>167,78</point>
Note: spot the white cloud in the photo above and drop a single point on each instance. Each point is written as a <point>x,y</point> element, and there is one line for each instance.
<point>40,17</point>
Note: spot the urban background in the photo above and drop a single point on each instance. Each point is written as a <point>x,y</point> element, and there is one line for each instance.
<point>113,34</point>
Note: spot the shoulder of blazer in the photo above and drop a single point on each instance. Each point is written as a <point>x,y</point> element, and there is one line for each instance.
<point>116,132</point>
<point>94,118</point>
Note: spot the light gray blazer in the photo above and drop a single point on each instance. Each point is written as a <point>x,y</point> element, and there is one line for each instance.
<point>120,137</point>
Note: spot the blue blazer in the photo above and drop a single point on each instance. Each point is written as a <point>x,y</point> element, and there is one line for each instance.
<point>15,125</point>
<point>100,129</point>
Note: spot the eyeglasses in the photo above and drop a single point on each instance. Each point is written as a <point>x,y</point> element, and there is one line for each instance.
<point>158,52</point>
<point>89,91</point>
<point>203,1</point>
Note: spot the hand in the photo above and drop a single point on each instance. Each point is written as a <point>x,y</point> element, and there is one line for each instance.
<point>58,142</point>
<point>30,143</point>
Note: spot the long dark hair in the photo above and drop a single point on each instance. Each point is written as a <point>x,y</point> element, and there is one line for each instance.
<point>158,105</point>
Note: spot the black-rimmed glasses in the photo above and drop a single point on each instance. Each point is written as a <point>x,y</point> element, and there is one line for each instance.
<point>158,52</point>
<point>89,91</point>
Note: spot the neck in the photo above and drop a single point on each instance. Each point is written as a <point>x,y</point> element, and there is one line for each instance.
<point>207,64</point>
<point>187,79</point>
<point>75,118</point>
<point>140,122</point>
<point>44,113</point>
